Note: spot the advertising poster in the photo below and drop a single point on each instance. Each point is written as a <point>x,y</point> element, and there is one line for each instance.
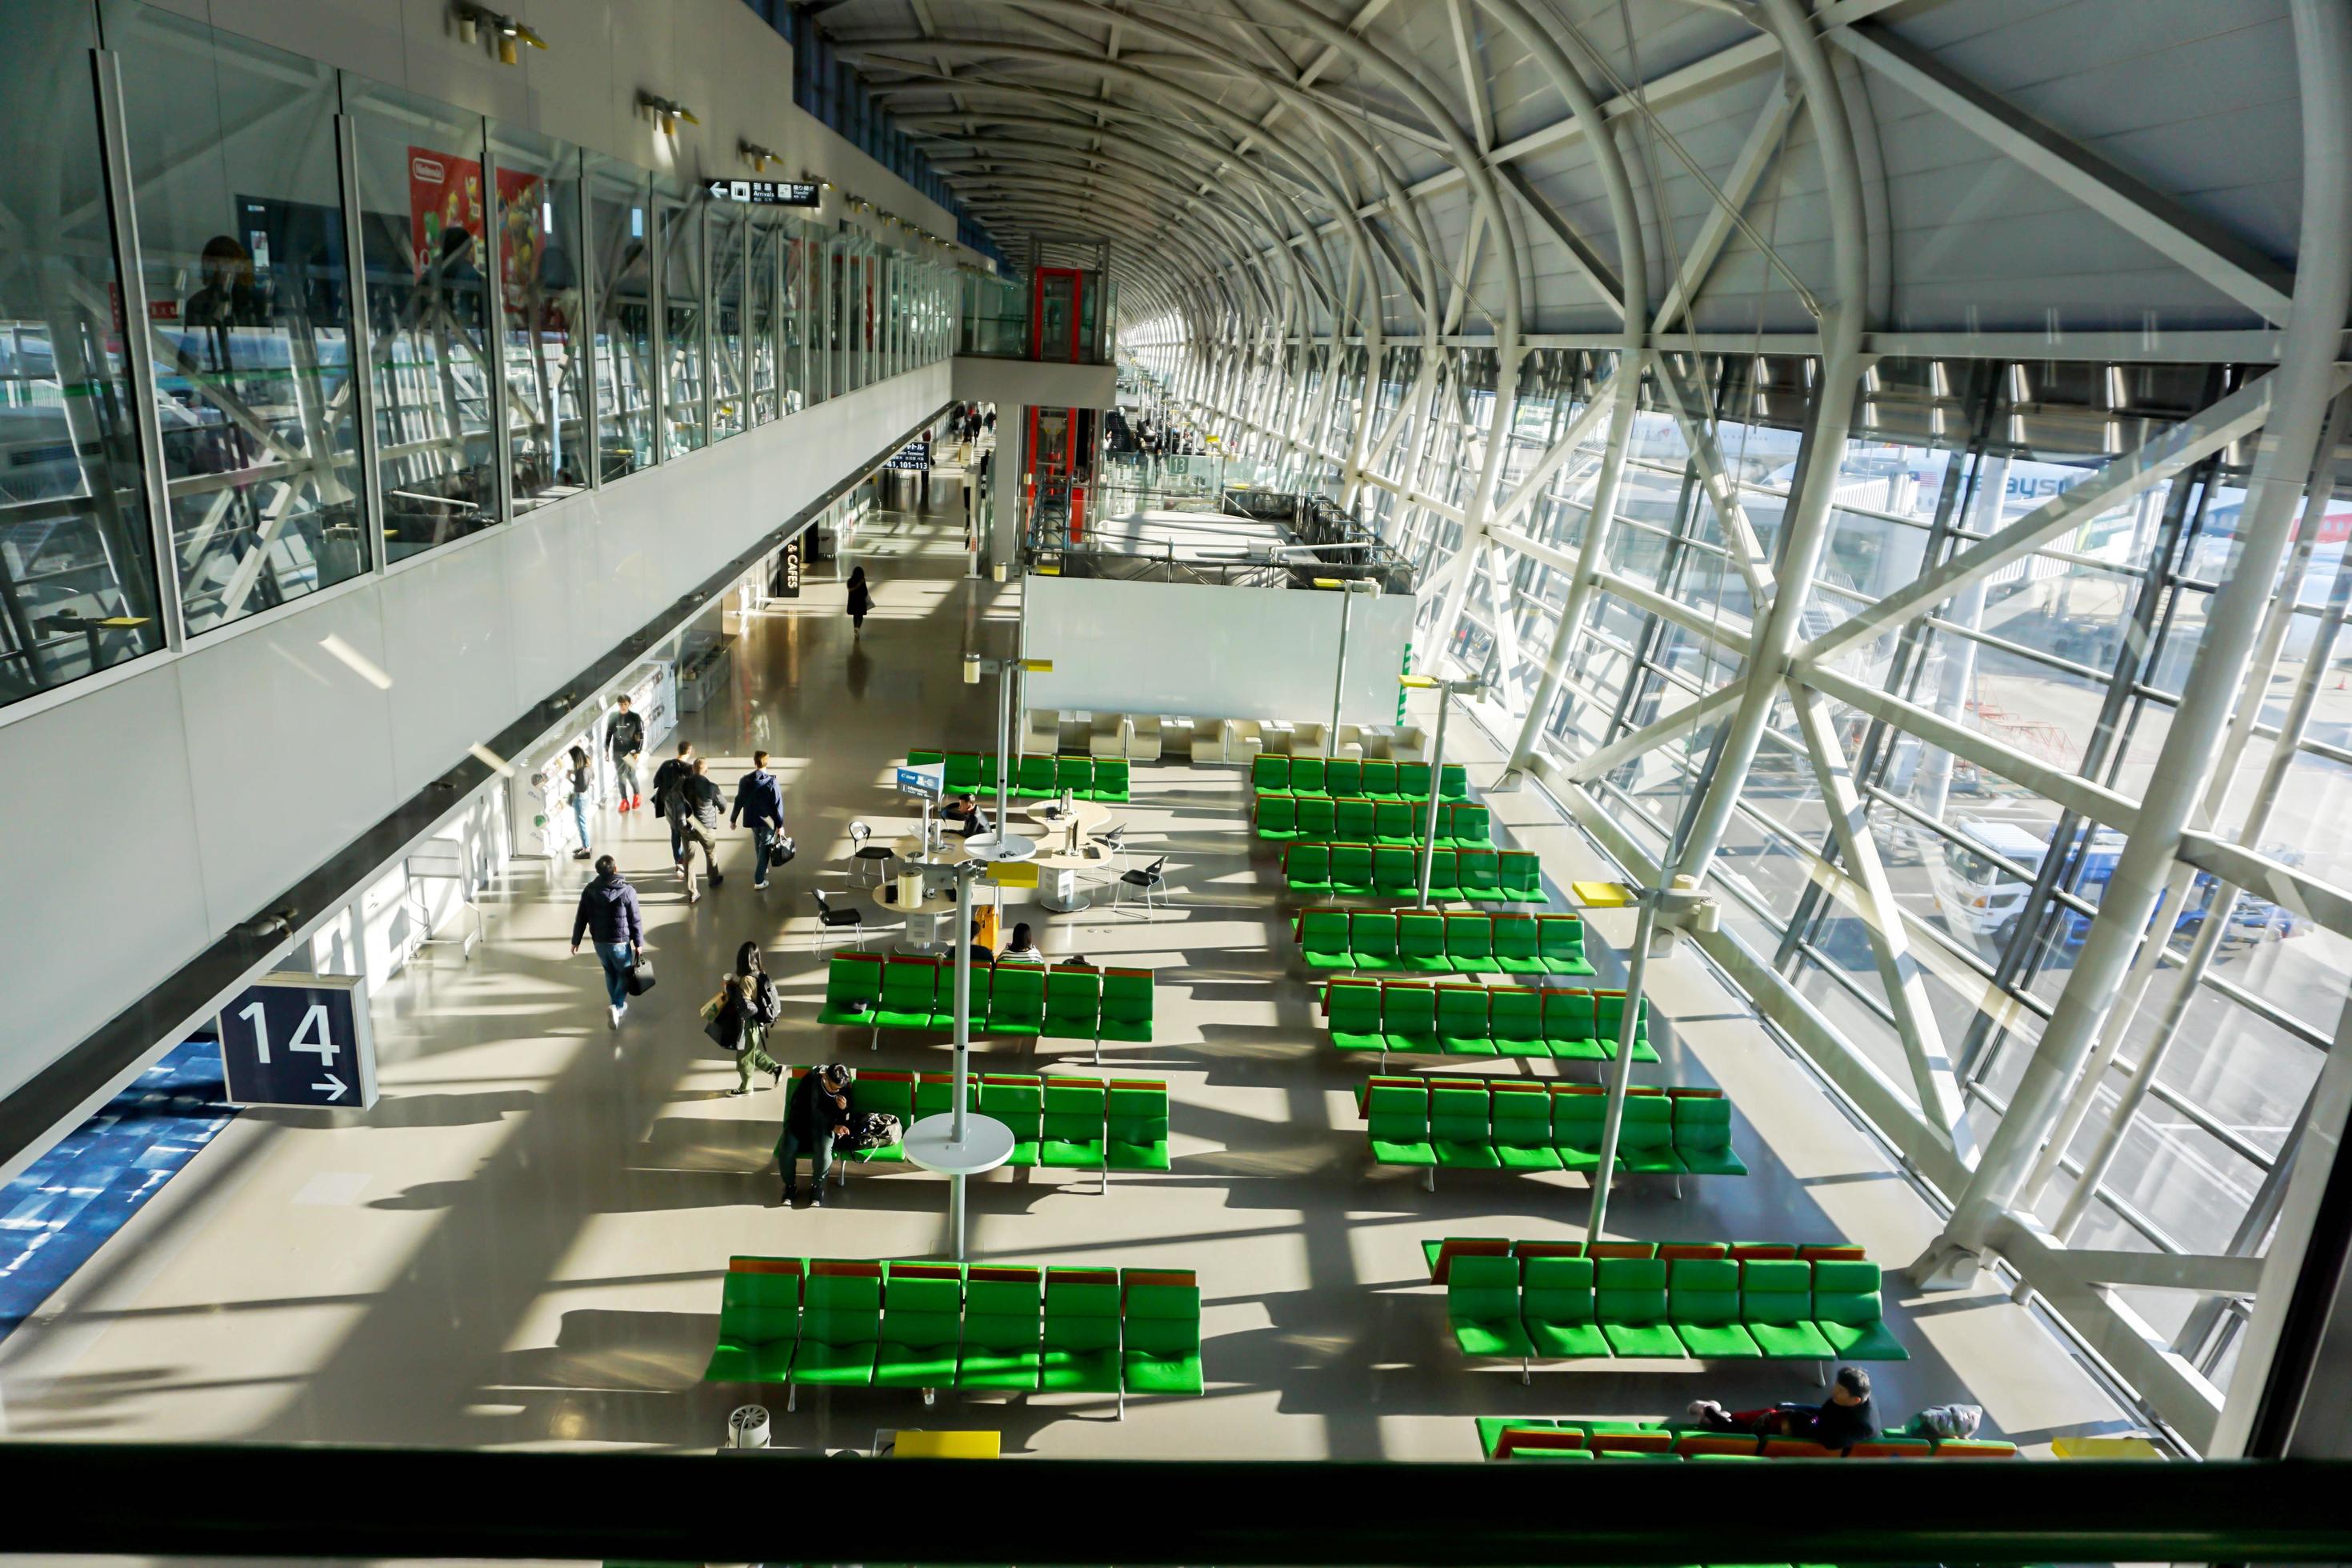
<point>445,192</point>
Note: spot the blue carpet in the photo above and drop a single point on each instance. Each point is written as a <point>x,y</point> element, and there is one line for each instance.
<point>61,1208</point>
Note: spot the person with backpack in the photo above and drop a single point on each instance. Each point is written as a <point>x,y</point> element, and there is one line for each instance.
<point>666,778</point>
<point>817,1114</point>
<point>696,811</point>
<point>625,737</point>
<point>760,801</point>
<point>608,913</point>
<point>861,600</point>
<point>739,1017</point>
<point>581,784</point>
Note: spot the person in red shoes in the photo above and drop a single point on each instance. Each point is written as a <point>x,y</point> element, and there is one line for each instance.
<point>625,737</point>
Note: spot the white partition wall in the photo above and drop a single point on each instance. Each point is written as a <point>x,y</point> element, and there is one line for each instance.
<point>1211,652</point>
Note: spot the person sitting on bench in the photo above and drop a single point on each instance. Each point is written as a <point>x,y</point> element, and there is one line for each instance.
<point>1841,1423</point>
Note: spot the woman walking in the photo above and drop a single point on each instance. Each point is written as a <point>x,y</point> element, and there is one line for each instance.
<point>861,599</point>
<point>581,784</point>
<point>738,1018</point>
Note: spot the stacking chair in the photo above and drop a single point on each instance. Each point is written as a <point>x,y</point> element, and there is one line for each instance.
<point>922,1326</point>
<point>1003,1328</point>
<point>1080,1351</point>
<point>829,918</point>
<point>1147,881</point>
<point>867,861</point>
<point>841,1327</point>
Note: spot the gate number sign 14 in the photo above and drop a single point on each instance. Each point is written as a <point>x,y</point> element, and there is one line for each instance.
<point>300,1040</point>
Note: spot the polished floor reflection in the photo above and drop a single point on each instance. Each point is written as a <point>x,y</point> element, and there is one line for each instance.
<point>523,1244</point>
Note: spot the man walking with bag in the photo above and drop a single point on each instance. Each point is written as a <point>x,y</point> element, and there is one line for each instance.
<point>696,811</point>
<point>760,801</point>
<point>608,913</point>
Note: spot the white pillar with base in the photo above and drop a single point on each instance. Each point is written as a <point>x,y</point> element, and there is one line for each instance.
<point>957,1144</point>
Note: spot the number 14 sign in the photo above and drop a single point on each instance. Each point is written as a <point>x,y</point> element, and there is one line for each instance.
<point>300,1040</point>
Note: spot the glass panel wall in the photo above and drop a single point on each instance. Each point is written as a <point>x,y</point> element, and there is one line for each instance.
<point>77,548</point>
<point>247,274</point>
<point>620,238</point>
<point>543,308</point>
<point>727,233</point>
<point>765,325</point>
<point>423,215</point>
<point>683,317</point>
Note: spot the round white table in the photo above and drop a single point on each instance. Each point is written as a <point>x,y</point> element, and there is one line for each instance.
<point>925,938</point>
<point>948,852</point>
<point>931,1144</point>
<point>1048,814</point>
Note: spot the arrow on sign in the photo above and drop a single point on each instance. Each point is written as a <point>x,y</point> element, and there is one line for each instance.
<point>335,1087</point>
<point>719,189</point>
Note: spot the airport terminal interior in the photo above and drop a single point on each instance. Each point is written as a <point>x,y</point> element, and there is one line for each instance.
<point>1445,732</point>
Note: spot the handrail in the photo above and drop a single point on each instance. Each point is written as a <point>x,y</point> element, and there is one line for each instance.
<point>242,1500</point>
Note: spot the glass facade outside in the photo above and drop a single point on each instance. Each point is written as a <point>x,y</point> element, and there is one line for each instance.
<point>2069,658</point>
<point>345,294</point>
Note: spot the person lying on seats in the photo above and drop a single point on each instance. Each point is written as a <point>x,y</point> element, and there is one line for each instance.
<point>1846,1419</point>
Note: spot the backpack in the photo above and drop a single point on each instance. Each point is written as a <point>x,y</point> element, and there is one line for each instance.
<point>767,1002</point>
<point>872,1129</point>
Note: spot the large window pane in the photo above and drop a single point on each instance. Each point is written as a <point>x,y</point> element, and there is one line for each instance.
<point>539,315</point>
<point>423,220</point>
<point>682,318</point>
<point>726,230</point>
<point>77,558</point>
<point>619,231</point>
<point>802,375</point>
<point>766,280</point>
<point>241,230</point>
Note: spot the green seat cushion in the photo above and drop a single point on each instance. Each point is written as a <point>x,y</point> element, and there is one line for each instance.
<point>1079,1372</point>
<point>915,1366</point>
<point>770,1363</point>
<point>1790,1342</point>
<point>1519,1157</point>
<point>1152,1371</point>
<point>1126,1156</point>
<point>1574,1340</point>
<point>1071,1154</point>
<point>1492,1336</point>
<point>1575,1050</point>
<point>1390,1152</point>
<point>1710,1162</point>
<point>985,1367</point>
<point>1553,1456</point>
<point>1717,1342</point>
<point>1492,1428</point>
<point>1863,1342</point>
<point>850,1365</point>
<point>1643,1340</point>
<point>1458,1153</point>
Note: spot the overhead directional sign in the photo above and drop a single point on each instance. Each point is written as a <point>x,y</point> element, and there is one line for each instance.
<point>913,455</point>
<point>764,193</point>
<point>300,1040</point>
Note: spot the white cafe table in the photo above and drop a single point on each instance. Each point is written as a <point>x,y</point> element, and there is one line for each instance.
<point>923,937</point>
<point>1057,876</point>
<point>931,1144</point>
<point>1091,815</point>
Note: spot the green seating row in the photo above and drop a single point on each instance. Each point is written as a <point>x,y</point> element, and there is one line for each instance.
<point>1393,871</point>
<point>1415,1019</point>
<point>1518,1124</point>
<point>1440,1252</point>
<point>1015,1327</point>
<point>1528,1438</point>
<point>1428,942</point>
<point>1319,819</point>
<point>1033,778</point>
<point>1709,1308</point>
<point>1345,778</point>
<point>1058,1123</point>
<point>1063,1002</point>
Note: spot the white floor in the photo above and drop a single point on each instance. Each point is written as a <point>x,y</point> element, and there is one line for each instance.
<point>523,1244</point>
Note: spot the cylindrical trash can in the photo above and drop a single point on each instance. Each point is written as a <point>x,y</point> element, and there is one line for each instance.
<point>910,888</point>
<point>747,1428</point>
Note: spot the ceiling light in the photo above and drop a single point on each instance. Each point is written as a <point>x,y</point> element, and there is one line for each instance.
<point>666,112</point>
<point>759,157</point>
<point>506,32</point>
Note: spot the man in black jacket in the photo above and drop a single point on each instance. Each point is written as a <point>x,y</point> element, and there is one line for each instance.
<point>608,913</point>
<point>760,801</point>
<point>1838,1425</point>
<point>817,1114</point>
<point>696,811</point>
<point>625,737</point>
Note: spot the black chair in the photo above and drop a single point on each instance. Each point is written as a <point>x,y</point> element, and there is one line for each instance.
<point>868,860</point>
<point>1147,882</point>
<point>1113,844</point>
<point>831,919</point>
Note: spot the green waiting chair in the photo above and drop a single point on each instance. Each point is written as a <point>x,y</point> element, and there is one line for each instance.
<point>1555,1305</point>
<point>962,772</point>
<point>1568,1026</point>
<point>1608,1019</point>
<point>1016,999</point>
<point>1076,775</point>
<point>1463,1029</point>
<point>1514,945</point>
<point>841,1328</point>
<point>1080,1351</point>
<point>1136,1127</point>
<point>1444,877</point>
<point>1629,1302</point>
<point>1469,825</point>
<point>988,763</point>
<point>922,1328</point>
<point>1396,874</point>
<point>925,759</point>
<point>1307,868</point>
<point>1482,1308</point>
<point>1277,818</point>
<point>1645,1136</point>
<point>1372,940</point>
<point>889,1094</point>
<point>1379,778</point>
<point>1421,944</point>
<point>1126,998</point>
<point>1413,781</point>
<point>1071,1132</point>
<point>1003,1328</point>
<point>853,985</point>
<point>1323,940</point>
<point>1269,773</point>
<point>1521,874</point>
<point>1461,1125</point>
<point>1035,779</point>
<point>1317,817</point>
<point>1470,943</point>
<point>1521,1113</point>
<point>1480,877</point>
<point>1073,1002</point>
<point>1396,822</point>
<point>1514,1022</point>
<point>1307,776</point>
<point>1846,1310</point>
<point>1018,1102</point>
<point>1355,1009</point>
<point>909,997</point>
<point>1455,782</point>
<point>1559,939</point>
<point>1343,778</point>
<point>1161,1351</point>
<point>1351,868</point>
<point>1703,1134</point>
<point>1776,1307</point>
<point>1352,819</point>
<point>1703,1304</point>
<point>758,1321</point>
<point>1397,1111</point>
<point>1408,1019</point>
<point>1111,780</point>
<point>1578,1112</point>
